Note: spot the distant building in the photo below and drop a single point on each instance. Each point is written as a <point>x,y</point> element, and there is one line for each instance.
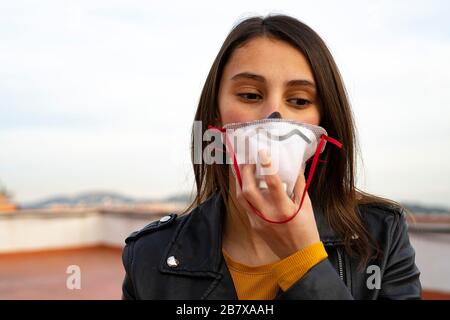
<point>5,204</point>
<point>93,239</point>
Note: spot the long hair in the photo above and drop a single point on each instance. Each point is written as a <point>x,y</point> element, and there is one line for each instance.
<point>333,187</point>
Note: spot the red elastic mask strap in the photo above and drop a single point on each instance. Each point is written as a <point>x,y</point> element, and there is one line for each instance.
<point>315,160</point>
<point>312,169</point>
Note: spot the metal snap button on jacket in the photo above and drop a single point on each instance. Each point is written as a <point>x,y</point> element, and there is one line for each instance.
<point>172,262</point>
<point>164,219</point>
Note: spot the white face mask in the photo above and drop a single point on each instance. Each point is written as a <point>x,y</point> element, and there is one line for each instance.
<point>289,143</point>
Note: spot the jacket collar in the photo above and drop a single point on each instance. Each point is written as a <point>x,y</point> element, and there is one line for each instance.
<point>197,243</point>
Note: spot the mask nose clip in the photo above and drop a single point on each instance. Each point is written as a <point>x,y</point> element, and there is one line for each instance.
<point>274,115</point>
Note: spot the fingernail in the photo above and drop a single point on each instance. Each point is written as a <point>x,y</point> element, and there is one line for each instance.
<point>264,158</point>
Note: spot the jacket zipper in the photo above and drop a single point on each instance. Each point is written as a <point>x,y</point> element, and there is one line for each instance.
<point>340,264</point>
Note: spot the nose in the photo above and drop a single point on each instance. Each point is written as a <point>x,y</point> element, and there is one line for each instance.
<point>274,115</point>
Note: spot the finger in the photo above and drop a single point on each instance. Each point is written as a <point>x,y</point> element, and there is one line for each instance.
<point>250,189</point>
<point>254,219</point>
<point>244,203</point>
<point>273,181</point>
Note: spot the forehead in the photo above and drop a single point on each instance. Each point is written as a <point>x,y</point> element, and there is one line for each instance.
<point>271,58</point>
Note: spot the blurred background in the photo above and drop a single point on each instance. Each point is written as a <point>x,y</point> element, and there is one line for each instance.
<point>97,100</point>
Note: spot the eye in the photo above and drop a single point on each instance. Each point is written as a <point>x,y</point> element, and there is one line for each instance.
<point>249,96</point>
<point>300,102</point>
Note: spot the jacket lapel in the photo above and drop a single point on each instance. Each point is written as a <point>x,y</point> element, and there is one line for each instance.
<point>197,245</point>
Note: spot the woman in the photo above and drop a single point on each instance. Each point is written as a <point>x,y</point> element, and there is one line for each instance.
<point>342,244</point>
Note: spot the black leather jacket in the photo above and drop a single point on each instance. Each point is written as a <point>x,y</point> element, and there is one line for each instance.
<point>180,257</point>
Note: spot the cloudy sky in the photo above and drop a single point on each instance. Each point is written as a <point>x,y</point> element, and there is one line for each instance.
<point>100,95</point>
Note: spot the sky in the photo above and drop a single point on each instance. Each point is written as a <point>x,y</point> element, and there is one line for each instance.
<point>101,95</point>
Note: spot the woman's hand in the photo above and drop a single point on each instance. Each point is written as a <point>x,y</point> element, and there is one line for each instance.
<point>274,203</point>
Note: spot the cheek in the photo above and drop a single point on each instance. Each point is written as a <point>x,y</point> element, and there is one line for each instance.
<point>313,116</point>
<point>230,115</point>
<point>309,115</point>
<point>232,112</point>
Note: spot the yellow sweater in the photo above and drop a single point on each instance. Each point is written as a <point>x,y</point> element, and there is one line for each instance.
<point>262,282</point>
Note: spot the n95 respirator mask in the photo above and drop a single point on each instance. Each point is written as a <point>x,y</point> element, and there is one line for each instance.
<point>290,144</point>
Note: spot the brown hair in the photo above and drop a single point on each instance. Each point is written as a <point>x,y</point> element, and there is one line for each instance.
<point>333,187</point>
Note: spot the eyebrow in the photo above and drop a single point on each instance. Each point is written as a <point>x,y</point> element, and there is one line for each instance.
<point>256,77</point>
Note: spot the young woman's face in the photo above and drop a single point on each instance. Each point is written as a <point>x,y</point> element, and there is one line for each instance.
<point>267,76</point>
